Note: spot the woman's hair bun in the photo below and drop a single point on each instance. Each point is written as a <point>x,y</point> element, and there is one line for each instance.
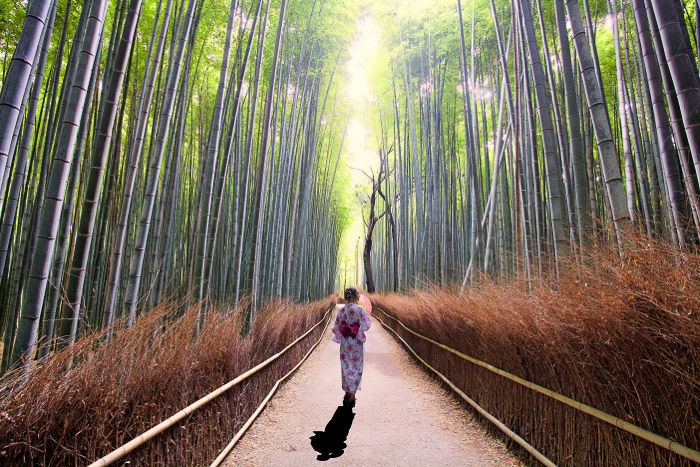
<point>351,293</point>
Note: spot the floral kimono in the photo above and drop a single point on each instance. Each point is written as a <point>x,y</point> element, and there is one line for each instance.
<point>352,349</point>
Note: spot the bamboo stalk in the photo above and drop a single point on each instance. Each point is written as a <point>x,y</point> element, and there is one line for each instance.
<point>511,434</point>
<point>169,422</point>
<point>659,440</point>
<point>220,458</point>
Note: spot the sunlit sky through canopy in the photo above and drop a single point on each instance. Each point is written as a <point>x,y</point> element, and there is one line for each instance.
<point>367,58</point>
<point>360,149</point>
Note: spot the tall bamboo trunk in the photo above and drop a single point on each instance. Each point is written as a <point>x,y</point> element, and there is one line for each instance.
<point>683,73</point>
<point>555,188</point>
<point>41,262</point>
<point>608,157</point>
<point>93,190</point>
<point>164,121</point>
<point>664,137</point>
<point>19,74</point>
<point>260,178</point>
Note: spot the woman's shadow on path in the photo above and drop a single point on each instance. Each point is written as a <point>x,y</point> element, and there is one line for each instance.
<point>330,443</point>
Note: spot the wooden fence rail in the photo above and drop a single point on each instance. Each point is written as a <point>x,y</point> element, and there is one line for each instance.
<point>654,438</point>
<point>220,458</point>
<point>171,421</point>
<point>510,433</point>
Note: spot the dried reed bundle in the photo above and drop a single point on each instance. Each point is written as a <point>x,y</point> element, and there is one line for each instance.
<point>623,337</point>
<point>115,391</point>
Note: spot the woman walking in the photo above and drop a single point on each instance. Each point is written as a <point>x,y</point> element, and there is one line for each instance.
<point>349,331</point>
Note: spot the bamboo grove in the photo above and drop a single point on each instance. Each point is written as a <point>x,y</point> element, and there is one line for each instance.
<point>516,136</point>
<point>191,148</point>
<point>152,150</point>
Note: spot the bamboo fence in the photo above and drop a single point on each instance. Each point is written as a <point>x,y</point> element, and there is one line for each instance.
<point>510,433</point>
<point>220,458</point>
<point>631,428</point>
<point>171,421</point>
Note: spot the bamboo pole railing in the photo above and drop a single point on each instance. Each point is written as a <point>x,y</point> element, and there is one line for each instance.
<point>220,458</point>
<point>631,428</point>
<point>174,419</point>
<point>510,433</point>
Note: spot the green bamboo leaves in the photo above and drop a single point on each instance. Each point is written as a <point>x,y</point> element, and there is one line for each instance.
<point>511,136</point>
<point>131,182</point>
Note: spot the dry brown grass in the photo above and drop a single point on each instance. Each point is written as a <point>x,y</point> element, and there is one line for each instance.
<point>623,337</point>
<point>148,372</point>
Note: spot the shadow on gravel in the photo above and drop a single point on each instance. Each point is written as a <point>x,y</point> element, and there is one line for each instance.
<point>330,443</point>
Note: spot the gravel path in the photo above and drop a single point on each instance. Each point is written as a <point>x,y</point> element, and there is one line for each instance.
<point>402,417</point>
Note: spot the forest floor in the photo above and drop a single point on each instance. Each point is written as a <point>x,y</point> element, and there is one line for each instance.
<point>402,416</point>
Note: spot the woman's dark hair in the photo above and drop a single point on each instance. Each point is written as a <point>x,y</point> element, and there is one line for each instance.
<point>351,294</point>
